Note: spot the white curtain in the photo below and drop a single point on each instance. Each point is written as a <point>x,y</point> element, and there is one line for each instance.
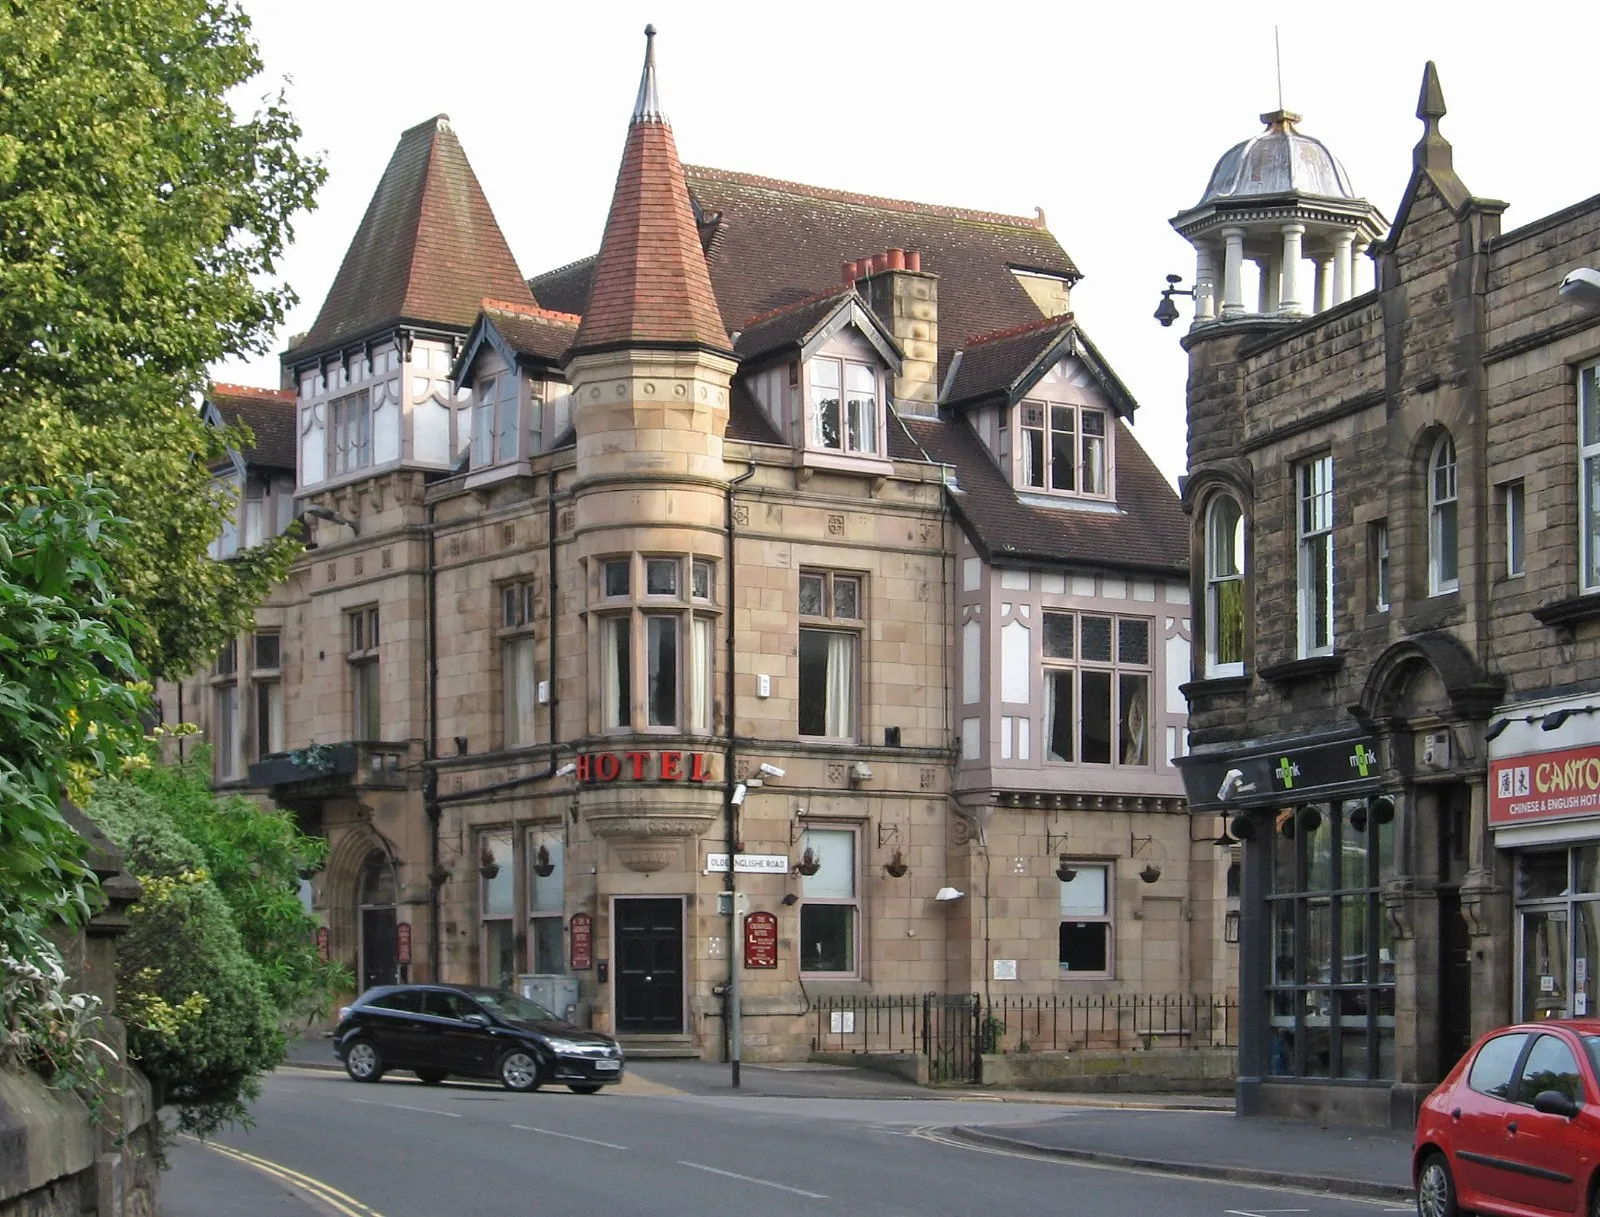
<point>519,686</point>
<point>841,685</point>
<point>615,660</point>
<point>700,676</point>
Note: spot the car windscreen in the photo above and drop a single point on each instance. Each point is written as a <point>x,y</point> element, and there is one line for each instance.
<point>1591,1045</point>
<point>509,1005</point>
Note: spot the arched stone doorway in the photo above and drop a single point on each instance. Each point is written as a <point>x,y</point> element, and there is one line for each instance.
<point>375,901</point>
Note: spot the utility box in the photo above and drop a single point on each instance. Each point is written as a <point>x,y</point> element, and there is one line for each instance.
<point>557,994</point>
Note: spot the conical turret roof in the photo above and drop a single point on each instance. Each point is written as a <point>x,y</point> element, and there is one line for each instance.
<point>428,249</point>
<point>651,287</point>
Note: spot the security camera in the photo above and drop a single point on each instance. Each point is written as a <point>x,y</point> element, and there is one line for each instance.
<point>771,771</point>
<point>1231,781</point>
<point>739,792</point>
<point>1582,287</point>
<point>567,770</point>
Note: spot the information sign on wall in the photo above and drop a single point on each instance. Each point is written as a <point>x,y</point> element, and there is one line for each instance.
<point>402,942</point>
<point>761,940</point>
<point>582,930</point>
<point>1544,786</point>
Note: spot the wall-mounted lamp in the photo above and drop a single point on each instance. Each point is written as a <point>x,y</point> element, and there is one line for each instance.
<point>1167,312</point>
<point>946,894</point>
<point>1556,718</point>
<point>789,899</point>
<point>1494,729</point>
<point>319,512</point>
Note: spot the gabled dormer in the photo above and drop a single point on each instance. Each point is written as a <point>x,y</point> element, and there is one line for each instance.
<point>374,372</point>
<point>1046,405</point>
<point>822,370</point>
<point>260,473</point>
<point>509,370</point>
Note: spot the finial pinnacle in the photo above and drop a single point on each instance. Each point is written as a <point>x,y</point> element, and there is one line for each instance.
<point>647,108</point>
<point>1430,105</point>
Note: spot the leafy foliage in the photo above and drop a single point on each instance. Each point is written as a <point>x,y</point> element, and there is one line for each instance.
<point>201,1023</point>
<point>139,221</point>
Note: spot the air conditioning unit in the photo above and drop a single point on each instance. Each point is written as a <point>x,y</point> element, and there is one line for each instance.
<point>1436,750</point>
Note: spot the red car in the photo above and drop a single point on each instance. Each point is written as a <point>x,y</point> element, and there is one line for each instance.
<point>1515,1128</point>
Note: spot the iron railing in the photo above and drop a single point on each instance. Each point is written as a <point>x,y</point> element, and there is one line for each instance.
<point>953,1030</point>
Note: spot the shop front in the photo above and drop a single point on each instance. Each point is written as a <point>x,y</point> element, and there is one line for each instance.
<point>1544,811</point>
<point>1317,952</point>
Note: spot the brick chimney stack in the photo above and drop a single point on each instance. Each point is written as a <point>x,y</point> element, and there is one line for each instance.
<point>906,299</point>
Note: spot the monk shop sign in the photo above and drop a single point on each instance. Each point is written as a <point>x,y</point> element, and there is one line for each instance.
<point>1544,786</point>
<point>582,930</point>
<point>761,940</point>
<point>644,767</point>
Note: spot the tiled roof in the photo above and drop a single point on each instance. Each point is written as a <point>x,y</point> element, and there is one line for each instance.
<point>270,415</point>
<point>428,248</point>
<point>773,243</point>
<point>650,284</point>
<point>993,363</point>
<point>1148,532</point>
<point>534,333</point>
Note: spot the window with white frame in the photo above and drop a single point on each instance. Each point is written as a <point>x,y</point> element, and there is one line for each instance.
<point>1097,672</point>
<point>829,650</point>
<point>350,431</point>
<point>1516,541</point>
<point>1589,480</point>
<point>656,644</point>
<point>1224,587</point>
<point>1086,933</point>
<point>253,521</point>
<point>365,673</point>
<point>1443,519</point>
<point>518,669</point>
<point>1313,482</point>
<point>225,712</point>
<point>497,888</point>
<point>844,405</point>
<point>546,900</point>
<point>829,914</point>
<point>495,420</point>
<point>1064,448</point>
<point>267,678</point>
<point>1379,548</point>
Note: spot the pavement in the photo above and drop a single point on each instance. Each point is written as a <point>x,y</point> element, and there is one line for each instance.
<point>1184,1135</point>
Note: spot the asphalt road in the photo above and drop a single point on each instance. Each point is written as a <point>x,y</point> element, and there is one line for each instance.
<point>322,1144</point>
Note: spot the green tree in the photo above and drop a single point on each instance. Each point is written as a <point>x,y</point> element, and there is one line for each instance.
<point>140,224</point>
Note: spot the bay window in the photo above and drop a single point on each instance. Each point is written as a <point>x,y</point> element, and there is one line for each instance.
<point>1443,507</point>
<point>1313,481</point>
<point>659,631</point>
<point>829,655</point>
<point>1097,673</point>
<point>1224,573</point>
<point>829,918</point>
<point>1064,448</point>
<point>495,420</point>
<point>350,431</point>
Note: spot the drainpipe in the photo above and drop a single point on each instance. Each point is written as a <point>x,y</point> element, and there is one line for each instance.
<point>430,752</point>
<point>731,1023</point>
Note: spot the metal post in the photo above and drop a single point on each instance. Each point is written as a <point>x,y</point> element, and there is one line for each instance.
<point>736,970</point>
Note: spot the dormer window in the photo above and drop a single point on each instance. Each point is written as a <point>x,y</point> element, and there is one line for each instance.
<point>1063,448</point>
<point>844,403</point>
<point>495,420</point>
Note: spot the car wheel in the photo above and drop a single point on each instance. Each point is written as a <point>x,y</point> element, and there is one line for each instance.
<point>362,1061</point>
<point>584,1087</point>
<point>519,1070</point>
<point>1436,1190</point>
<point>430,1077</point>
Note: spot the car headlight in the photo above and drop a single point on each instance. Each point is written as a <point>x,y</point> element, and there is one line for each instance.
<point>556,1044</point>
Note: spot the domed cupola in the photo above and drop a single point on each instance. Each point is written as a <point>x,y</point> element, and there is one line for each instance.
<point>1280,199</point>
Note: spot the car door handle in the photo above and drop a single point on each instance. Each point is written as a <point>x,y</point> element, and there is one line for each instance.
<point>1455,1114</point>
<point>1511,1127</point>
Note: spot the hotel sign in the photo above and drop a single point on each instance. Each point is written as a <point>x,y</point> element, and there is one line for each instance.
<point>1540,786</point>
<point>595,767</point>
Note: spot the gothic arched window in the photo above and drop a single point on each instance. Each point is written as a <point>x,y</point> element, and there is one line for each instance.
<point>1443,558</point>
<point>1224,592</point>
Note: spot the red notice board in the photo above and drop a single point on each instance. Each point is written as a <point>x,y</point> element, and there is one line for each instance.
<point>761,940</point>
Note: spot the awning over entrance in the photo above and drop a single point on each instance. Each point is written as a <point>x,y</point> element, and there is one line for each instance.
<point>1307,767</point>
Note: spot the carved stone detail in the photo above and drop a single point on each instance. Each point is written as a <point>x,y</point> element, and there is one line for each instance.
<point>645,857</point>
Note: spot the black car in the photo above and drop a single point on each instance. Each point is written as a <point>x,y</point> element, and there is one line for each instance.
<point>440,1031</point>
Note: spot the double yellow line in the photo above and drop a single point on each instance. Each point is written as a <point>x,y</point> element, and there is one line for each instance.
<point>329,1195</point>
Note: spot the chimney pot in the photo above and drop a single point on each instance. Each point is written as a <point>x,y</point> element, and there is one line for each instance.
<point>896,259</point>
<point>913,259</point>
<point>848,274</point>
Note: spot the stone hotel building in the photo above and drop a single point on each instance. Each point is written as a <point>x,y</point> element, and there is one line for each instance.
<point>795,525</point>
<point>1395,507</point>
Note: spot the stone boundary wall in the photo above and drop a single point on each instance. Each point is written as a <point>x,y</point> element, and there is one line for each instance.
<point>1092,1071</point>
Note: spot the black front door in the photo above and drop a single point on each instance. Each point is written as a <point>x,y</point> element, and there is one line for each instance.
<point>1455,981</point>
<point>378,956</point>
<point>649,938</point>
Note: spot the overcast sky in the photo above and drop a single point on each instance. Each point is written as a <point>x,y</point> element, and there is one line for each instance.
<point>1110,117</point>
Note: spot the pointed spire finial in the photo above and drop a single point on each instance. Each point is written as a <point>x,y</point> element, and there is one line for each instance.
<point>647,108</point>
<point>1430,105</point>
<point>1433,150</point>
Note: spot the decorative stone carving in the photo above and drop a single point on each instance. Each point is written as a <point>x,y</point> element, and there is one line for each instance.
<point>644,842</point>
<point>645,857</point>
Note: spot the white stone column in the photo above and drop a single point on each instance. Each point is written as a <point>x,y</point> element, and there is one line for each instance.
<point>1205,283</point>
<point>1324,284</point>
<point>1342,278</point>
<point>1289,300</point>
<point>1271,268</point>
<point>1233,272</point>
<point>1358,257</point>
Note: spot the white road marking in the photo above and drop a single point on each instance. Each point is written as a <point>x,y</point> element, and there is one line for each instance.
<point>550,1132</point>
<point>782,1187</point>
<point>427,1111</point>
<point>1264,1212</point>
